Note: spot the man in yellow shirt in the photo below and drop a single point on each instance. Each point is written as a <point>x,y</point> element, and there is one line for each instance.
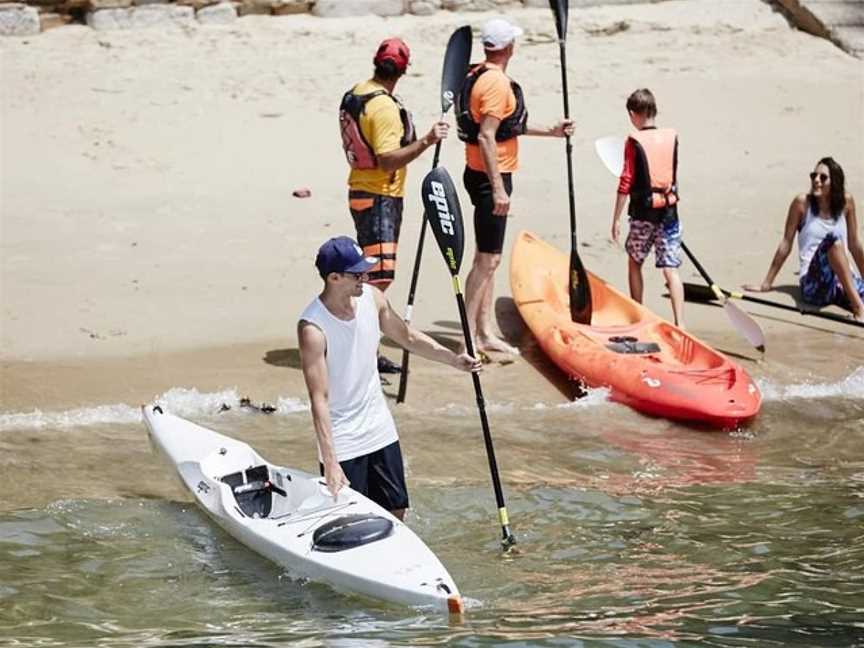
<point>379,141</point>
<point>491,116</point>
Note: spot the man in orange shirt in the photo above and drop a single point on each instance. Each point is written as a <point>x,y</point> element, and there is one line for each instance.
<point>491,115</point>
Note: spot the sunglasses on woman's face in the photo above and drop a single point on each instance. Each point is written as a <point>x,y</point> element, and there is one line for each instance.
<point>823,178</point>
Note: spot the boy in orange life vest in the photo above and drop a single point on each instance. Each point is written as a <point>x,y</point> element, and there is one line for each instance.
<point>649,179</point>
<point>379,142</point>
<point>491,116</point>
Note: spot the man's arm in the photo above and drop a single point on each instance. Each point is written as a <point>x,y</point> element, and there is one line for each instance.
<point>489,151</point>
<point>398,158</point>
<point>313,361</point>
<point>394,327</point>
<point>563,128</point>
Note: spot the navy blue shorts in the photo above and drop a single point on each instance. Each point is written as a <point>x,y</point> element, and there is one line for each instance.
<point>380,476</point>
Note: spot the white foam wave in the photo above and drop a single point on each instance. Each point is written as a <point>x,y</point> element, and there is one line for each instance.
<point>178,400</point>
<point>593,398</point>
<point>852,386</point>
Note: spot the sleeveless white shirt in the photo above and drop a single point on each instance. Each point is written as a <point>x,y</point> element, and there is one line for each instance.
<point>813,231</point>
<point>362,423</point>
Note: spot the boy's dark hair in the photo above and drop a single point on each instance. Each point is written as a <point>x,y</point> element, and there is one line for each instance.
<point>642,102</point>
<point>388,71</point>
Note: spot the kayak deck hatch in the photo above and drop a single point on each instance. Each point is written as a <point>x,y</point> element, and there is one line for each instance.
<point>351,531</point>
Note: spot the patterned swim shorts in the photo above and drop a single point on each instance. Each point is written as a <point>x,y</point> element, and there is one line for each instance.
<point>664,237</point>
<point>820,285</point>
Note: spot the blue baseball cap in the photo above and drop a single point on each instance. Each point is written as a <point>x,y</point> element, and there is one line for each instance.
<point>342,254</point>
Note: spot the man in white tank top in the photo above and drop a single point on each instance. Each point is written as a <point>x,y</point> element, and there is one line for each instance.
<point>338,334</point>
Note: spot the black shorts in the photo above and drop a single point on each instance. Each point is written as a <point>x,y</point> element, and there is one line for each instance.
<point>377,220</point>
<point>489,229</point>
<point>380,476</point>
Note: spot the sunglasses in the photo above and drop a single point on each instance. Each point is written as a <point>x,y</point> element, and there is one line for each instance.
<point>357,275</point>
<point>823,178</point>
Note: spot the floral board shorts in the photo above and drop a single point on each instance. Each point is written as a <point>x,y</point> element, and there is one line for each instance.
<point>820,286</point>
<point>664,237</point>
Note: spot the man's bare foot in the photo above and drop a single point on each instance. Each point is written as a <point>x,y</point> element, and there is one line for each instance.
<point>496,345</point>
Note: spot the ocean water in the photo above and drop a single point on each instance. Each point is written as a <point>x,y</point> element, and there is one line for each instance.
<point>631,531</point>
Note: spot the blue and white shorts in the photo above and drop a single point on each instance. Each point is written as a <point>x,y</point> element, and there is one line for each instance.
<point>820,285</point>
<point>664,237</point>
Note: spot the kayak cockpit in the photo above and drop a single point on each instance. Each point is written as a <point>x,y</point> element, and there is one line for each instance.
<point>259,493</point>
<point>254,490</point>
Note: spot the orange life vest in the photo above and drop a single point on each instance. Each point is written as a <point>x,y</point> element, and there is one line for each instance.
<point>656,150</point>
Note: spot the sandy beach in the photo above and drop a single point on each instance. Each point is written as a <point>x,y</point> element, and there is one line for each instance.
<point>148,226</point>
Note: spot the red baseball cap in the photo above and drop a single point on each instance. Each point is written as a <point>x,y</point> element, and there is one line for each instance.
<point>393,49</point>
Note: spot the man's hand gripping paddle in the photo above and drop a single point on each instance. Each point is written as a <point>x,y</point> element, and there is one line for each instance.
<point>445,218</point>
<point>453,74</point>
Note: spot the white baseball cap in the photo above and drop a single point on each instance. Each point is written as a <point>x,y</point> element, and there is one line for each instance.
<point>498,34</point>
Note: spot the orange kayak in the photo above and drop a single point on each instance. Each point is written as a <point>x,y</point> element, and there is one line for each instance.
<point>646,362</point>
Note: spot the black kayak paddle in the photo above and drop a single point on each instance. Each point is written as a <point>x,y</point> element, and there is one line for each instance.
<point>453,74</point>
<point>579,288</point>
<point>445,218</point>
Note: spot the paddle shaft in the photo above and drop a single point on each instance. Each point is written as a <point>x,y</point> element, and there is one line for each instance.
<point>507,538</point>
<point>562,50</point>
<point>703,272</point>
<point>578,284</point>
<point>403,377</point>
<point>697,293</point>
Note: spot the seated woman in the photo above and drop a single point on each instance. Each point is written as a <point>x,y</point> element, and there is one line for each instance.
<point>827,235</point>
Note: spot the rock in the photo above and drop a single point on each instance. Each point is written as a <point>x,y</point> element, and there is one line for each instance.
<point>456,5</point>
<point>104,19</point>
<point>18,19</point>
<point>583,3</point>
<point>287,7</point>
<point>254,8</point>
<point>218,14</point>
<point>198,4</point>
<point>342,8</point>
<point>424,7</point>
<point>154,15</point>
<point>97,5</point>
<point>157,15</point>
<point>52,20</point>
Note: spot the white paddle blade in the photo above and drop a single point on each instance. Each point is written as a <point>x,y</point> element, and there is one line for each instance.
<point>745,325</point>
<point>611,152</point>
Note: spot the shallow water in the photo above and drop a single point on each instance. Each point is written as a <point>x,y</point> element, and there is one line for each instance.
<point>631,531</point>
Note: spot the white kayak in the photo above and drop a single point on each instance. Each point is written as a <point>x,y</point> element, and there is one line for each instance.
<point>289,517</point>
